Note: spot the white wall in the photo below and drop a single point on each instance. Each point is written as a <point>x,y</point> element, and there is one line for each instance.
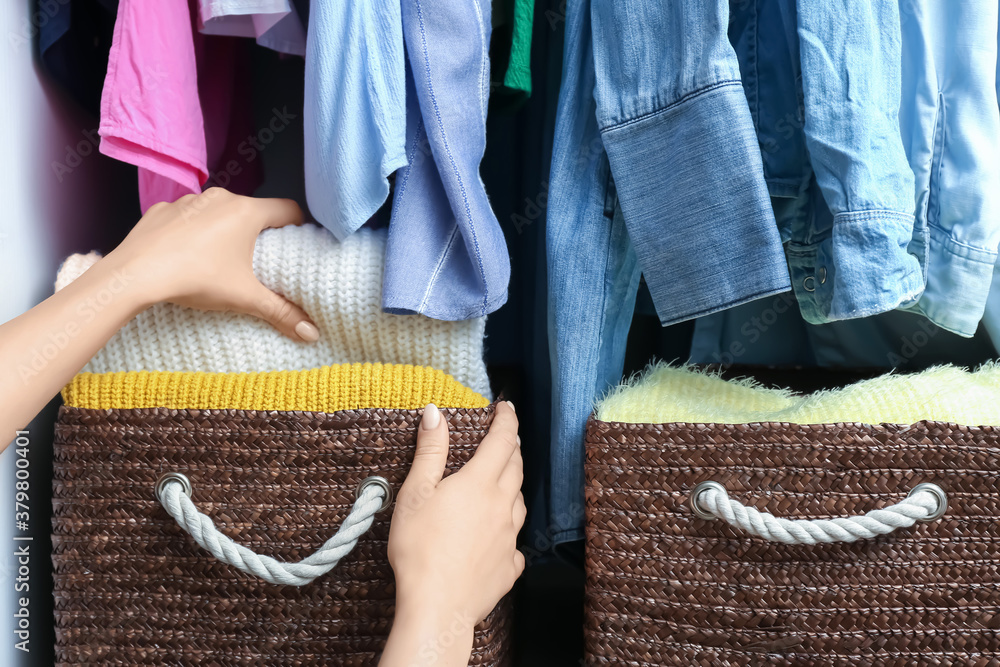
<point>42,219</point>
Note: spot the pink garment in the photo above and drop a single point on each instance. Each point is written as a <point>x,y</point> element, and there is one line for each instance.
<point>154,114</point>
<point>273,23</point>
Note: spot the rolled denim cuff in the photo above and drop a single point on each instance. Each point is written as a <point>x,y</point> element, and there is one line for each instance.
<point>861,269</point>
<point>691,187</point>
<point>958,284</point>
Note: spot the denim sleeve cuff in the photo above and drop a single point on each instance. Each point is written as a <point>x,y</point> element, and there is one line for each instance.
<point>862,268</point>
<point>958,284</point>
<point>691,188</point>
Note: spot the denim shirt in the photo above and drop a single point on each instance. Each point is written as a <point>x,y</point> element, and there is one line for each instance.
<point>951,131</point>
<point>878,130</point>
<point>824,86</point>
<point>656,169</point>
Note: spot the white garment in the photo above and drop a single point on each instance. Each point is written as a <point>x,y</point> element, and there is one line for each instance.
<point>339,284</point>
<point>274,23</point>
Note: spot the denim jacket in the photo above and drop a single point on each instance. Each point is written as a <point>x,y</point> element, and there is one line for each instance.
<point>655,168</point>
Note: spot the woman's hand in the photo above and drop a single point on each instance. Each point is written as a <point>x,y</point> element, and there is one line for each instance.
<point>452,542</point>
<point>198,252</point>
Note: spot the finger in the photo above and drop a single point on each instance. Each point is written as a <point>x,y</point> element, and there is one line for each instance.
<point>432,451</point>
<point>286,317</point>
<point>158,206</point>
<point>499,444</point>
<point>518,563</point>
<point>520,511</point>
<point>277,212</point>
<point>513,473</point>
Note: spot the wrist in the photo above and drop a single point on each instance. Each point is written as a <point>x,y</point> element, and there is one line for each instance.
<point>123,280</point>
<point>429,632</point>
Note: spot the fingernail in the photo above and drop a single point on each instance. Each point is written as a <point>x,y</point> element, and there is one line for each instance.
<point>307,331</point>
<point>431,417</point>
<point>518,441</point>
<point>511,406</point>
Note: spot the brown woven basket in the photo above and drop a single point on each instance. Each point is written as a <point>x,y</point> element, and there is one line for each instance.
<point>665,587</point>
<point>131,587</point>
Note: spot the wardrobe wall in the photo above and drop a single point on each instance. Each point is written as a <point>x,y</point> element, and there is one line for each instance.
<point>57,196</point>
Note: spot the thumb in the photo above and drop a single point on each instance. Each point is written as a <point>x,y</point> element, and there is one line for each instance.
<point>286,317</point>
<point>432,451</point>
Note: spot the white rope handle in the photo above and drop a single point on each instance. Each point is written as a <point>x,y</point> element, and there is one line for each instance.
<point>373,495</point>
<point>926,502</point>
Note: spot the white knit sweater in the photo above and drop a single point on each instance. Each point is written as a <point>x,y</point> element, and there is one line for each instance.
<point>338,283</point>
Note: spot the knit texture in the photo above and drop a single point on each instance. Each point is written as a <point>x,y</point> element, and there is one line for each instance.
<point>664,394</point>
<point>326,389</point>
<point>338,283</point>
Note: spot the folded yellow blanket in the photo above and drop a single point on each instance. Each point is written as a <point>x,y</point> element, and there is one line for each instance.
<point>664,394</point>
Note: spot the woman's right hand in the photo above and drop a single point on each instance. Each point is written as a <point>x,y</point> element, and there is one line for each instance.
<point>452,541</point>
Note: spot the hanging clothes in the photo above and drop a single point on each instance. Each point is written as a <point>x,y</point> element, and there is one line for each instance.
<point>950,122</point>
<point>355,109</point>
<point>166,88</point>
<point>510,53</point>
<point>654,169</point>
<point>446,256</point>
<point>878,127</point>
<point>73,45</point>
<point>275,24</point>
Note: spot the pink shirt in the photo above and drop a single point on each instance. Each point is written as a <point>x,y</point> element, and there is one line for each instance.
<point>155,115</point>
<point>150,110</point>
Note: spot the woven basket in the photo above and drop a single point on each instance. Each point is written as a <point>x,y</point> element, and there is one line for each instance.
<point>131,587</point>
<point>665,587</point>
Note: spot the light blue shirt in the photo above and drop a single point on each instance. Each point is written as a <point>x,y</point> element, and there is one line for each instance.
<point>355,109</point>
<point>950,122</point>
<point>880,136</point>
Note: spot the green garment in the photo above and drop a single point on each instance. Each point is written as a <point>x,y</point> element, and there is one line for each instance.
<point>511,53</point>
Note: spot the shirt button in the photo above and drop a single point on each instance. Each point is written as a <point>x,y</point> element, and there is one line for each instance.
<point>822,274</point>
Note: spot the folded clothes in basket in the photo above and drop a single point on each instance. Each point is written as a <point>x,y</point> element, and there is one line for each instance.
<point>732,525</point>
<point>665,394</point>
<point>338,283</point>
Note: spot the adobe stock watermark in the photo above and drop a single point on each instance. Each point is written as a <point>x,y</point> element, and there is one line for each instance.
<point>556,16</point>
<point>543,542</point>
<point>534,208</point>
<point>86,311</point>
<point>434,650</point>
<point>75,154</point>
<point>912,344</point>
<point>32,24</point>
<point>22,543</point>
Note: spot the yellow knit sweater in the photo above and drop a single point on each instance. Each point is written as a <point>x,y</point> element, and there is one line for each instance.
<point>326,389</point>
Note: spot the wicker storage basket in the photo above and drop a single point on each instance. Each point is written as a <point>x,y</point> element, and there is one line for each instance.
<point>131,587</point>
<point>666,587</point>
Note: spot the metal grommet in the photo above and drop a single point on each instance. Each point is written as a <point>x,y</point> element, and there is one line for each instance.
<point>821,272</point>
<point>697,507</point>
<point>809,284</point>
<point>380,482</point>
<point>939,495</point>
<point>166,478</point>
